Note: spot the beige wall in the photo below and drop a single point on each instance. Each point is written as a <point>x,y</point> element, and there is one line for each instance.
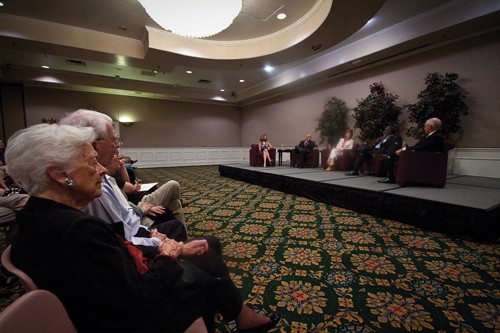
<point>287,120</point>
<point>158,123</point>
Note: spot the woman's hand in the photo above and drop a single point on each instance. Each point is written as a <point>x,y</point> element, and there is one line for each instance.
<point>170,248</point>
<point>155,233</point>
<point>195,247</point>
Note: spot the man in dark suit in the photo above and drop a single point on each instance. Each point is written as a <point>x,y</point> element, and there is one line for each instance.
<point>303,148</point>
<point>387,146</point>
<point>432,140</point>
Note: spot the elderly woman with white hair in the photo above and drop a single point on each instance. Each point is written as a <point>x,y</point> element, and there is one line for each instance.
<point>82,260</point>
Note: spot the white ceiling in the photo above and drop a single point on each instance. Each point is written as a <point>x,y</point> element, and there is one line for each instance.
<point>113,46</point>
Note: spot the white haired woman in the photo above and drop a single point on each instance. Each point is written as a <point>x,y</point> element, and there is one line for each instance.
<point>81,259</point>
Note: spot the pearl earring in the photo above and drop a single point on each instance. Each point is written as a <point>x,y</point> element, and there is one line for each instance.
<point>69,182</point>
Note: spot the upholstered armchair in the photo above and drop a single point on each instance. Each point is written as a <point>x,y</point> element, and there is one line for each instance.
<point>256,158</point>
<point>344,162</point>
<point>312,160</point>
<point>423,167</point>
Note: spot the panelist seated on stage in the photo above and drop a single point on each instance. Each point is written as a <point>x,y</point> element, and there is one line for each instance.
<point>344,143</point>
<point>432,140</point>
<point>386,146</point>
<point>264,148</point>
<point>304,148</point>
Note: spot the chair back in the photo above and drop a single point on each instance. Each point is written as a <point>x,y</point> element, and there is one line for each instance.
<point>26,281</point>
<point>38,311</point>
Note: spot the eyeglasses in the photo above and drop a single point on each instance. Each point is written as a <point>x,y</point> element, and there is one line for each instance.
<point>115,139</point>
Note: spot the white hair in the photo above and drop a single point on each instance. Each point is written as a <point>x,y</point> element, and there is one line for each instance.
<point>89,118</point>
<point>435,123</point>
<point>32,150</point>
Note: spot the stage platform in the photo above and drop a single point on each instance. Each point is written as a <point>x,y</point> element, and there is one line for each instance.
<point>467,207</point>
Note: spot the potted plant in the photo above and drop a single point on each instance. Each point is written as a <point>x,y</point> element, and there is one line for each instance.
<point>375,112</point>
<point>442,98</point>
<point>333,121</point>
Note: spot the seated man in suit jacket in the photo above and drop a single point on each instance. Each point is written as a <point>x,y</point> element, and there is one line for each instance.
<point>432,140</point>
<point>387,146</point>
<point>304,147</point>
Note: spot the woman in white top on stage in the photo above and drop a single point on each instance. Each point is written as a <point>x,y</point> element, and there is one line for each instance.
<point>344,143</point>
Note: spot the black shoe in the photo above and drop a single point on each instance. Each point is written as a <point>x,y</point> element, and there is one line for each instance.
<point>386,181</point>
<point>352,173</point>
<point>274,319</point>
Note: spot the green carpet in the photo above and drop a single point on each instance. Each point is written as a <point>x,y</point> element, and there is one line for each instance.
<point>327,269</point>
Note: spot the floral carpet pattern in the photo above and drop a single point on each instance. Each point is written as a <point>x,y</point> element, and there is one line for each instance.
<point>328,269</point>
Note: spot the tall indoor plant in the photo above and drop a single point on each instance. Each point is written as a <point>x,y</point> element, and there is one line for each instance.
<point>333,121</point>
<point>442,98</point>
<point>375,112</point>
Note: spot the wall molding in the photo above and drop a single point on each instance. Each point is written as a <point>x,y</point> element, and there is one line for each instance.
<point>481,162</point>
<point>185,156</point>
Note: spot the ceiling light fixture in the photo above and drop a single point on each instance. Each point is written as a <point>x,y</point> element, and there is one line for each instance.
<point>193,18</point>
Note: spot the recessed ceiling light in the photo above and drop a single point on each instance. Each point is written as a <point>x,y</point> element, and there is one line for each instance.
<point>189,72</point>
<point>45,66</point>
<point>222,90</point>
<point>241,80</point>
<point>269,68</point>
<point>1,4</point>
<point>281,16</point>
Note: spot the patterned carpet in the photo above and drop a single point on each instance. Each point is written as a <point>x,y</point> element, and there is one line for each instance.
<point>327,269</point>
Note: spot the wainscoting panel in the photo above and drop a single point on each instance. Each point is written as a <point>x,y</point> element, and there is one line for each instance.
<point>483,162</point>
<point>170,157</point>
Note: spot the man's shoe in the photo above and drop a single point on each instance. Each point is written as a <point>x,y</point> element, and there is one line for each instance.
<point>352,173</point>
<point>274,319</point>
<point>386,181</point>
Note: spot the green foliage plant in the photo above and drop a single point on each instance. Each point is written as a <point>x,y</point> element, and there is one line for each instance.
<point>375,112</point>
<point>333,121</point>
<point>442,98</point>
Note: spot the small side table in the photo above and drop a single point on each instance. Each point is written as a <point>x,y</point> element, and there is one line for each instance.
<point>280,155</point>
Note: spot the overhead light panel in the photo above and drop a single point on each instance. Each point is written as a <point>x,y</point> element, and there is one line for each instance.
<point>193,18</point>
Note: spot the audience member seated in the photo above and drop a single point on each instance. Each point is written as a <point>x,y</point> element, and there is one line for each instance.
<point>344,143</point>
<point>388,144</point>
<point>168,195</point>
<point>303,150</point>
<point>8,206</point>
<point>81,260</point>
<point>112,206</point>
<point>264,148</point>
<point>128,163</point>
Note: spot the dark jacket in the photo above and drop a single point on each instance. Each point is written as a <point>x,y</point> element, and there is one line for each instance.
<point>310,145</point>
<point>433,142</point>
<point>86,265</point>
<point>391,145</point>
